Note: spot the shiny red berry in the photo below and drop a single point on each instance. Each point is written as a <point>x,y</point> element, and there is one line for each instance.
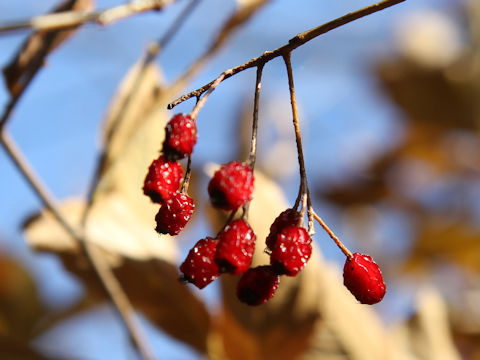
<point>174,214</point>
<point>199,268</point>
<point>292,250</point>
<point>163,179</point>
<point>180,137</point>
<point>231,186</point>
<point>362,276</point>
<point>236,244</point>
<point>289,217</point>
<point>257,285</point>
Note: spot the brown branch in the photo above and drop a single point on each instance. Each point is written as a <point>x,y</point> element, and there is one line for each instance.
<point>203,99</point>
<point>253,144</point>
<point>69,19</point>
<point>94,255</point>
<point>330,233</point>
<point>293,43</point>
<point>298,137</point>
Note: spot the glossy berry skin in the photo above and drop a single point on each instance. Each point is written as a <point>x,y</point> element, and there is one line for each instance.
<point>289,217</point>
<point>292,250</point>
<point>236,244</point>
<point>199,268</point>
<point>180,137</point>
<point>362,276</point>
<point>257,285</point>
<point>163,180</point>
<point>231,186</point>
<point>174,214</point>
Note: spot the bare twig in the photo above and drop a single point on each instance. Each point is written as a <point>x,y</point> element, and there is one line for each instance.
<point>298,138</point>
<point>203,99</point>
<point>188,175</point>
<point>69,19</point>
<point>253,144</point>
<point>330,233</point>
<point>293,43</point>
<point>94,255</point>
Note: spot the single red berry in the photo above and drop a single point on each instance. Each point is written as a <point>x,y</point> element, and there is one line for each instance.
<point>236,244</point>
<point>174,214</point>
<point>231,186</point>
<point>257,285</point>
<point>289,217</point>
<point>292,250</point>
<point>362,276</point>
<point>180,137</point>
<point>163,180</point>
<point>199,268</point>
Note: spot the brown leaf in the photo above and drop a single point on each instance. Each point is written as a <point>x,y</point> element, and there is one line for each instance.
<point>144,263</point>
<point>20,305</point>
<point>134,99</point>
<point>13,349</point>
<point>443,97</point>
<point>441,238</point>
<point>281,328</point>
<point>427,334</point>
<point>35,49</point>
<point>309,315</point>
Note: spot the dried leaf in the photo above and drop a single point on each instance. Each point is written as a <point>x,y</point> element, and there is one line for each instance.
<point>144,264</point>
<point>13,349</point>
<point>131,104</point>
<point>293,324</point>
<point>20,305</point>
<point>443,97</point>
<point>35,49</point>
<point>442,238</point>
<point>281,328</point>
<point>427,334</point>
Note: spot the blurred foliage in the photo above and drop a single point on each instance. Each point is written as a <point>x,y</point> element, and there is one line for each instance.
<point>432,174</point>
<point>312,316</point>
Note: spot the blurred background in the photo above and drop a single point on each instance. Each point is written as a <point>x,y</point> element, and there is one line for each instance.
<point>390,117</point>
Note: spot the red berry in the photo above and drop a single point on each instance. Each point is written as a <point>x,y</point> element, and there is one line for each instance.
<point>199,267</point>
<point>180,137</point>
<point>163,180</point>
<point>174,214</point>
<point>236,244</point>
<point>289,217</point>
<point>257,285</point>
<point>292,250</point>
<point>362,276</point>
<point>231,186</point>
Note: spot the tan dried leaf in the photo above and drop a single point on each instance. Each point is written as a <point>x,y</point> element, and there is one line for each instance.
<point>427,334</point>
<point>144,263</point>
<point>441,237</point>
<point>36,48</point>
<point>309,315</point>
<point>133,101</point>
<point>120,220</point>
<point>281,328</point>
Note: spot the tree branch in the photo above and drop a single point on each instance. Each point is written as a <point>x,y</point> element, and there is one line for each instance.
<point>67,19</point>
<point>93,252</point>
<point>293,43</point>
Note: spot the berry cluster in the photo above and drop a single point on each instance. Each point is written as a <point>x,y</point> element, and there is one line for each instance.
<point>231,251</point>
<point>165,174</point>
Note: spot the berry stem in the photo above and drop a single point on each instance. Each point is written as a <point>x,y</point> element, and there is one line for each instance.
<point>253,143</point>
<point>188,175</point>
<point>301,161</point>
<point>337,241</point>
<point>203,99</point>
